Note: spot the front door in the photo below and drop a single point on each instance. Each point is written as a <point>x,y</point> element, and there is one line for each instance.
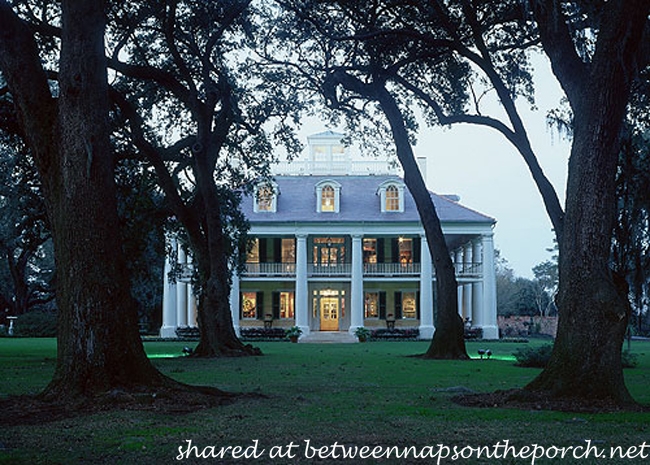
<point>329,314</point>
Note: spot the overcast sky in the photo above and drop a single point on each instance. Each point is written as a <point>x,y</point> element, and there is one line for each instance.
<point>489,175</point>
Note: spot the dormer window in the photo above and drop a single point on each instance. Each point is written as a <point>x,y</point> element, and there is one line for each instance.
<point>328,197</point>
<point>265,199</point>
<point>392,196</point>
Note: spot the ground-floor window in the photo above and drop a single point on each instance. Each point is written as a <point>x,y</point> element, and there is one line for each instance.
<point>284,303</point>
<point>371,305</point>
<point>409,305</point>
<point>249,305</point>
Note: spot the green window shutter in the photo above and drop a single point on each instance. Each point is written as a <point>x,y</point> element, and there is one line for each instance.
<point>260,305</point>
<point>381,256</point>
<point>417,305</point>
<point>275,305</point>
<point>277,250</point>
<point>241,303</point>
<point>262,245</point>
<point>398,305</point>
<point>417,249</point>
<point>394,250</point>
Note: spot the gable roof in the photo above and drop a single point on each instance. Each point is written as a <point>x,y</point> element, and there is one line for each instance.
<point>359,202</point>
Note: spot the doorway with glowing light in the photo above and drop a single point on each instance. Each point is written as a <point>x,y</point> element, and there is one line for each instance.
<point>329,308</point>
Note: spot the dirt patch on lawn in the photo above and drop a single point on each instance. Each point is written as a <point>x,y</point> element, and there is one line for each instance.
<point>527,400</point>
<point>31,410</point>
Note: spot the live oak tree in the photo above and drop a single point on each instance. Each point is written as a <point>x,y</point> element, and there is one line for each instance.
<point>354,68</point>
<point>66,127</point>
<point>596,52</point>
<point>206,117</point>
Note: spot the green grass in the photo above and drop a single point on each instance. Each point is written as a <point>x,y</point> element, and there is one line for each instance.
<point>355,394</point>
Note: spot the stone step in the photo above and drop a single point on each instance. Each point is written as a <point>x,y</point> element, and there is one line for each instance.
<point>328,337</point>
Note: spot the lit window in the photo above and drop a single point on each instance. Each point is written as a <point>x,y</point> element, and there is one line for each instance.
<point>265,198</point>
<point>409,305</point>
<point>391,193</point>
<point>392,199</point>
<point>370,251</point>
<point>371,305</point>
<point>249,305</point>
<point>287,301</point>
<point>405,251</point>
<point>253,255</point>
<point>327,199</point>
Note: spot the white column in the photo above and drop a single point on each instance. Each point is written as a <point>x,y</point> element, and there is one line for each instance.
<point>356,286</point>
<point>191,308</point>
<point>490,328</point>
<point>302,296</point>
<point>181,292</point>
<point>477,288</point>
<point>191,302</point>
<point>467,288</point>
<point>458,263</point>
<point>234,302</point>
<point>427,327</point>
<point>168,328</point>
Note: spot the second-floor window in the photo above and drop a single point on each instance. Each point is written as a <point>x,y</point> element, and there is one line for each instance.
<point>392,199</point>
<point>327,200</point>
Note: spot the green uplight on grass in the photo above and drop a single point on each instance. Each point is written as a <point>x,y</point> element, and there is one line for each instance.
<point>176,355</point>
<point>507,358</point>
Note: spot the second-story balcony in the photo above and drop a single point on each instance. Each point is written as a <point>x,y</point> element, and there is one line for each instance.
<point>288,270</point>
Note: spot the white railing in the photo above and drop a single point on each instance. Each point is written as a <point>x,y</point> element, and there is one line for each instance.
<point>344,269</point>
<point>270,269</point>
<point>468,269</point>
<point>391,269</point>
<point>465,270</point>
<point>358,168</point>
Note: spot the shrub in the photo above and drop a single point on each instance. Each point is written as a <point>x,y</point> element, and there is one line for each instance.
<point>397,334</point>
<point>533,357</point>
<point>36,324</point>
<point>262,334</point>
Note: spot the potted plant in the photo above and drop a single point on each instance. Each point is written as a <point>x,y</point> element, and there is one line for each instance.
<point>362,333</point>
<point>293,333</point>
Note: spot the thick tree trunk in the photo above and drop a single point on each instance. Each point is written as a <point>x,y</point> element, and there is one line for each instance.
<point>448,340</point>
<point>216,329</point>
<point>99,348</point>
<point>592,301</point>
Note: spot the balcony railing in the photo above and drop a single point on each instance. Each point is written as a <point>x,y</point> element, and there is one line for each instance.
<point>466,270</point>
<point>391,269</point>
<point>270,269</point>
<point>343,269</point>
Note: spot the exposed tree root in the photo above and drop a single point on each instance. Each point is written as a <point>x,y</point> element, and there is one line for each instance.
<point>533,400</point>
<point>175,398</point>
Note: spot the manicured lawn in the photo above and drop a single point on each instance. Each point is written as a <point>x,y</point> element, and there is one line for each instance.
<point>355,394</point>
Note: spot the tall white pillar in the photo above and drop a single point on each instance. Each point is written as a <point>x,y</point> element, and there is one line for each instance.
<point>458,266</point>
<point>427,327</point>
<point>181,292</point>
<point>302,290</point>
<point>168,328</point>
<point>467,288</point>
<point>191,308</point>
<point>490,328</point>
<point>477,287</point>
<point>356,286</point>
<point>234,302</point>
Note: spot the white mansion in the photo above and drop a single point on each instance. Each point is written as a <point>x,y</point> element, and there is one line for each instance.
<point>338,244</point>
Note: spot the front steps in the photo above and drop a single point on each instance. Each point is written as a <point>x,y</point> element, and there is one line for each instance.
<point>328,337</point>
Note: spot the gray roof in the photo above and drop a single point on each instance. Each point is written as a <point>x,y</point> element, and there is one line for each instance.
<point>359,202</point>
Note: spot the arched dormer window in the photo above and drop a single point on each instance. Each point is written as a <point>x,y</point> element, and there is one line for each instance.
<point>392,196</point>
<point>266,198</point>
<point>328,195</point>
